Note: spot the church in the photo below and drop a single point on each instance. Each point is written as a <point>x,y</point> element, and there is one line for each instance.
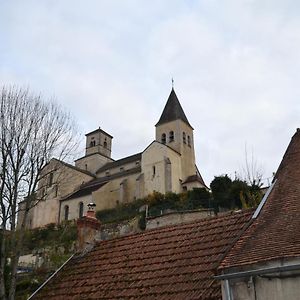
<point>166,165</point>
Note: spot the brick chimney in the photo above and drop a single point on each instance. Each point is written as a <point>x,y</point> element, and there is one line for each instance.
<point>88,229</point>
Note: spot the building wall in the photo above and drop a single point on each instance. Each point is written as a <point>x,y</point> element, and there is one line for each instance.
<point>276,286</point>
<point>116,170</point>
<point>117,191</point>
<point>92,162</point>
<point>73,205</point>
<point>186,149</point>
<point>154,169</point>
<point>65,180</point>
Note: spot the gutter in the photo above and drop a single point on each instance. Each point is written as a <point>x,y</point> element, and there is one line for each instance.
<point>261,271</point>
<point>35,292</point>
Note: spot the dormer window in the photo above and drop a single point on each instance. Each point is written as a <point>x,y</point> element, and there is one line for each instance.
<point>171,136</point>
<point>163,138</point>
<point>184,137</point>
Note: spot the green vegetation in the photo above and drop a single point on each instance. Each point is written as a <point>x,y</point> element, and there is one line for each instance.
<point>157,202</point>
<point>51,236</point>
<point>231,194</point>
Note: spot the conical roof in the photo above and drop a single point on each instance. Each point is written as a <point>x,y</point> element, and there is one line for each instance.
<point>173,111</point>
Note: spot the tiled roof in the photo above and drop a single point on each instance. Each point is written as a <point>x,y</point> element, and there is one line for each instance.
<point>75,168</point>
<point>173,111</point>
<point>121,162</point>
<point>275,233</point>
<point>194,178</point>
<point>95,184</point>
<point>176,262</point>
<point>99,130</point>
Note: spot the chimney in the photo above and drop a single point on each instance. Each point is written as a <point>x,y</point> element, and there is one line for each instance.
<point>88,229</point>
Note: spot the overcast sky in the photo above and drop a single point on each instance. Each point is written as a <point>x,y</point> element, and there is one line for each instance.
<point>236,68</point>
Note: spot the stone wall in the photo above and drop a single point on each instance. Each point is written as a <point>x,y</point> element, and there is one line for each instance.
<point>173,218</point>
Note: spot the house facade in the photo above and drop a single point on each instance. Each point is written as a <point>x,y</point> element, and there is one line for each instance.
<point>166,165</point>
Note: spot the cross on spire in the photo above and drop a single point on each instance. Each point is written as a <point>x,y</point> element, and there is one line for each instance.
<point>172,83</point>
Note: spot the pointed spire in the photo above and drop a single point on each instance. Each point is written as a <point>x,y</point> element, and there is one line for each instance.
<point>173,111</point>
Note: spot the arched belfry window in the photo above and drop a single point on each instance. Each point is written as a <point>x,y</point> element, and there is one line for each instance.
<point>66,213</point>
<point>80,210</point>
<point>184,137</point>
<point>93,144</point>
<point>171,136</point>
<point>163,138</point>
<point>189,141</point>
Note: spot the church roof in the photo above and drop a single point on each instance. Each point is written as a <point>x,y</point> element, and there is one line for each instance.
<point>120,162</point>
<point>195,178</point>
<point>274,233</point>
<point>174,262</point>
<point>173,111</point>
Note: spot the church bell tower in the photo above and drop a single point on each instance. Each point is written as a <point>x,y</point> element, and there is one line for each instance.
<point>174,130</point>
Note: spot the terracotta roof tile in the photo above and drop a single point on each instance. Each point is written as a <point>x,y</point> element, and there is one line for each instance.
<point>275,233</point>
<point>176,262</point>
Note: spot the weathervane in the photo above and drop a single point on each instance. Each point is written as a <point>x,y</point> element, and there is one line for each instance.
<point>172,83</point>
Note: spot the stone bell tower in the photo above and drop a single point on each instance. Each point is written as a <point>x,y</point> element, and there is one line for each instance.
<point>174,130</point>
<point>97,151</point>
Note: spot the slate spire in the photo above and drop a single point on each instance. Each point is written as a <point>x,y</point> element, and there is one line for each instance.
<point>173,111</point>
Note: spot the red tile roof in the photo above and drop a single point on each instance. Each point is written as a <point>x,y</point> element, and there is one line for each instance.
<point>275,233</point>
<point>176,262</point>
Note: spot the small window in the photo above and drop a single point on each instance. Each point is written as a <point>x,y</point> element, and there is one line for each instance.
<point>121,169</point>
<point>80,210</point>
<point>184,137</point>
<point>50,181</point>
<point>56,191</point>
<point>107,173</point>
<point>153,171</point>
<point>163,138</point>
<point>137,163</point>
<point>66,213</point>
<point>189,141</point>
<point>171,136</point>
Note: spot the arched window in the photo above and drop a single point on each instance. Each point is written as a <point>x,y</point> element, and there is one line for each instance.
<point>184,137</point>
<point>93,143</point>
<point>80,209</point>
<point>163,138</point>
<point>66,213</point>
<point>189,140</point>
<point>171,136</point>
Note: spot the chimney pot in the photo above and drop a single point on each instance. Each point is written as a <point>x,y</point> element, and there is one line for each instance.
<point>88,228</point>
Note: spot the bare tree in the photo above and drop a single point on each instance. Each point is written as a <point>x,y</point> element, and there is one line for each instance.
<point>252,172</point>
<point>32,131</point>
